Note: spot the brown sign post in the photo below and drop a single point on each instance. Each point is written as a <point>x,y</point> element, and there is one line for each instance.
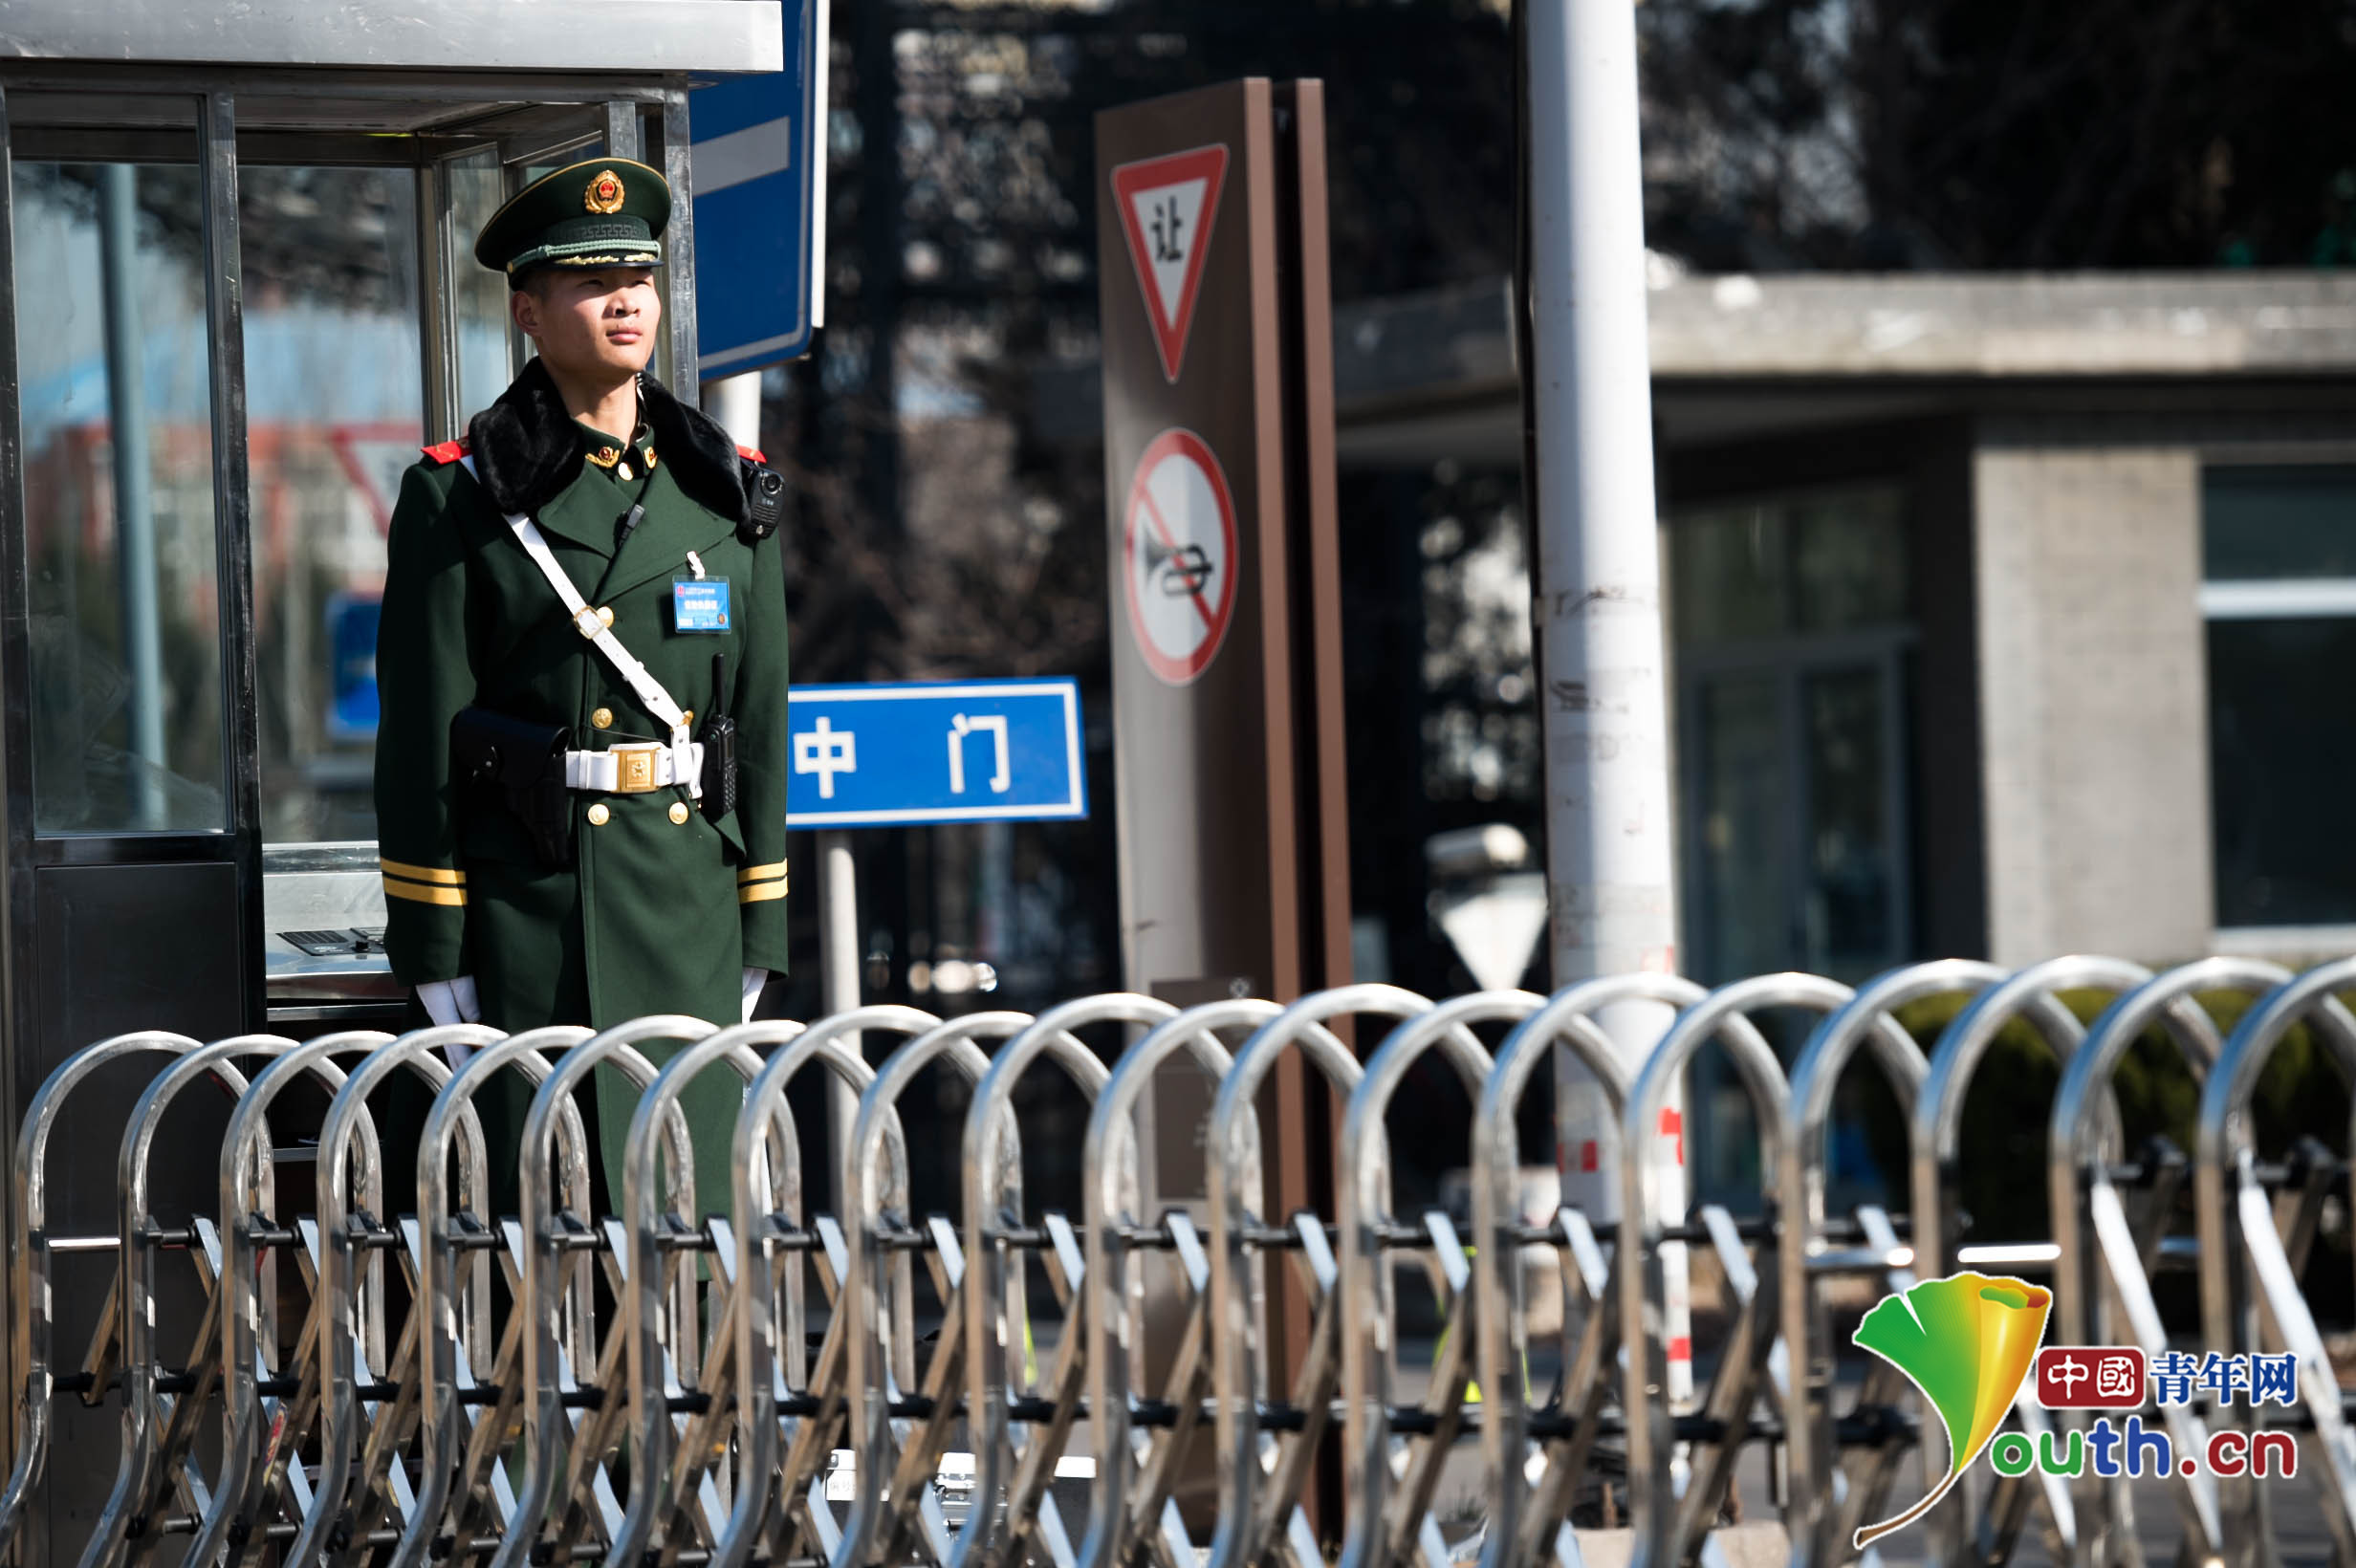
<point>1225,587</point>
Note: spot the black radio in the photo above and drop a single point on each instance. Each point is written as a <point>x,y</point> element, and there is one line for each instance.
<point>719,739</point>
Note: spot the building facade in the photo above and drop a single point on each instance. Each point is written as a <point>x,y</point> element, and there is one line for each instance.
<point>2009,613</point>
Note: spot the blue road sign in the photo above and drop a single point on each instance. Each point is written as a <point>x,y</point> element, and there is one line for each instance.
<point>352,675</point>
<point>919,751</point>
<point>759,151</point>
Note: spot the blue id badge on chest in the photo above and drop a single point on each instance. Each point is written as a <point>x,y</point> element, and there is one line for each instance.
<point>699,604</point>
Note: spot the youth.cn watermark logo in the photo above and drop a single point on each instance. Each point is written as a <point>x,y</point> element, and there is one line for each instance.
<point>1970,1340</point>
<point>2123,1378</point>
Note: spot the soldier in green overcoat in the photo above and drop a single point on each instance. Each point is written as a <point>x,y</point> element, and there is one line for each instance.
<point>558,843</point>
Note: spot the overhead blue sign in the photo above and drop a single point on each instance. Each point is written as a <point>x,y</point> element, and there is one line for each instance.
<point>913,753</point>
<point>760,163</point>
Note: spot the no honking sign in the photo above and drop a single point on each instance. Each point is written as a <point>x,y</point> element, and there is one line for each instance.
<point>1179,556</point>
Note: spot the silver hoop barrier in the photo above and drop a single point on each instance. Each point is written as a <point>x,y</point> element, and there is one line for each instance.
<point>405,1377</point>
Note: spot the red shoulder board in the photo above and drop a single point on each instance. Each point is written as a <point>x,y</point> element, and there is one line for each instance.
<point>752,452</point>
<point>448,452</point>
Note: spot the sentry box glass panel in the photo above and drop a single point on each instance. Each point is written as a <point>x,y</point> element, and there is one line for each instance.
<point>241,299</point>
<point>236,295</point>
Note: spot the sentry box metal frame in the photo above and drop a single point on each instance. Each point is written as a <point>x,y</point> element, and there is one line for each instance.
<point>101,929</point>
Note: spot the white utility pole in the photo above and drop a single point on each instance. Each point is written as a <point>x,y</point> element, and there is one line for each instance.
<point>1610,877</point>
<point>735,402</point>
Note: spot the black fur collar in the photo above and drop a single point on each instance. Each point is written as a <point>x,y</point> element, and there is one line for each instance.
<point>527,450</point>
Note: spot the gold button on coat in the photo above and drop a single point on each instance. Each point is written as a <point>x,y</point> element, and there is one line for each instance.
<point>605,615</point>
<point>625,472</point>
<point>679,812</point>
<point>603,718</point>
<point>598,814</point>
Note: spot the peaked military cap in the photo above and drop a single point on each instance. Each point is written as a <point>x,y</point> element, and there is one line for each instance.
<point>605,212</point>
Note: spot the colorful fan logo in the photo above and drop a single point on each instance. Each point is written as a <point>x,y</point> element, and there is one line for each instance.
<point>1967,1342</point>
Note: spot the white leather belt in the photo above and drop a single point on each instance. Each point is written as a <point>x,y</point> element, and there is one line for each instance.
<point>636,768</point>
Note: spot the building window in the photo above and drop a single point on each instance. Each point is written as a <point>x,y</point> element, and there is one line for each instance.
<point>2278,593</point>
<point>1794,625</point>
<point>1794,630</point>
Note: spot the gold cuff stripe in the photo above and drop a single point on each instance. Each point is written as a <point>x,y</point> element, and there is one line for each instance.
<point>424,873</point>
<point>454,898</point>
<point>761,892</point>
<point>761,873</point>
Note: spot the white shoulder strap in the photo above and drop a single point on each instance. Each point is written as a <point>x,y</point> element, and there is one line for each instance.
<point>586,621</point>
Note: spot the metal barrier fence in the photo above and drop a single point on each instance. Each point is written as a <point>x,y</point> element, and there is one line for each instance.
<point>553,1386</point>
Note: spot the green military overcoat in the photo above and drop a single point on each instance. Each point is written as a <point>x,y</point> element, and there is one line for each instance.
<point>664,909</point>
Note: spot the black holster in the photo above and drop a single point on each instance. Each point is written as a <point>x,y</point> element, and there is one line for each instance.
<point>514,765</point>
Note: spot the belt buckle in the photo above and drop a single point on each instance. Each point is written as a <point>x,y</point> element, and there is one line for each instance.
<point>634,771</point>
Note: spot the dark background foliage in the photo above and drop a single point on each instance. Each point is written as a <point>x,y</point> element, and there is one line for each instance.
<point>1880,134</point>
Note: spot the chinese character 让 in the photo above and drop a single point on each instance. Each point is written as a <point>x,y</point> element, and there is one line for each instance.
<point>1168,227</point>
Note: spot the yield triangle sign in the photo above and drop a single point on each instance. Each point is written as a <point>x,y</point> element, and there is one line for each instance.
<point>1167,207</point>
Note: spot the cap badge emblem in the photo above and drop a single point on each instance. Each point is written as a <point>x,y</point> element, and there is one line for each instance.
<point>605,193</point>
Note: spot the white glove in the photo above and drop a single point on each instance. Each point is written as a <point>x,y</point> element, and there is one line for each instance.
<point>452,1002</point>
<point>755,980</point>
